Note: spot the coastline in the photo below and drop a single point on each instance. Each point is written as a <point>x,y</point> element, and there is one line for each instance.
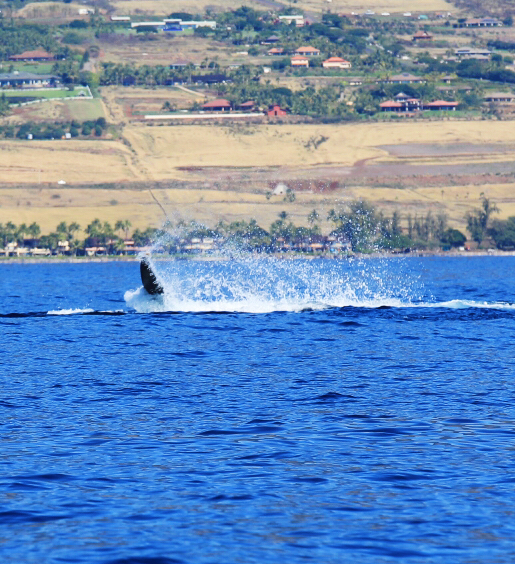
<point>282,256</point>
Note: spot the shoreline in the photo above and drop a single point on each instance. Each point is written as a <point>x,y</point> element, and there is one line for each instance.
<point>282,256</point>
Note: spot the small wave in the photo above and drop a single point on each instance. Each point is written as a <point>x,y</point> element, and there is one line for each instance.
<point>76,311</point>
<point>141,302</point>
<point>464,304</point>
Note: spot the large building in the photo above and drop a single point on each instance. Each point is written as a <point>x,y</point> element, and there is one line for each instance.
<point>28,80</point>
<point>336,63</point>
<point>37,55</point>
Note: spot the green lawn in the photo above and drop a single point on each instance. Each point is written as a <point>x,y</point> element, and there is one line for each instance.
<point>84,110</point>
<point>46,93</point>
<point>36,68</point>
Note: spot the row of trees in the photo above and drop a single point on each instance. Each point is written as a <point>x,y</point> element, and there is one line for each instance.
<point>53,130</point>
<point>358,224</point>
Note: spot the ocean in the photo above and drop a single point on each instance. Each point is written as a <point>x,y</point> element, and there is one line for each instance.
<point>263,411</point>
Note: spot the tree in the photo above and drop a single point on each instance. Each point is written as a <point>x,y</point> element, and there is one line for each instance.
<point>123,225</point>
<point>503,233</point>
<point>34,230</point>
<point>477,220</point>
<point>313,217</point>
<point>453,238</point>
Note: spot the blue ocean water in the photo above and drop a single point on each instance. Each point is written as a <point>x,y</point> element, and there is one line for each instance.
<point>264,411</point>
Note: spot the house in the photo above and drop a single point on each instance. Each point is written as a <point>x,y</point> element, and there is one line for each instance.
<point>410,104</point>
<point>402,103</point>
<point>405,78</point>
<point>422,36</point>
<point>37,55</point>
<point>276,110</point>
<point>336,63</point>
<point>220,105</point>
<point>288,20</point>
<point>470,53</point>
<point>482,22</point>
<point>441,105</point>
<point>499,97</point>
<point>391,106</point>
<point>179,64</point>
<point>28,80</point>
<point>275,52</point>
<point>120,18</point>
<point>210,78</point>
<point>271,40</point>
<point>156,24</point>
<point>196,24</point>
<point>307,51</point>
<point>299,61</point>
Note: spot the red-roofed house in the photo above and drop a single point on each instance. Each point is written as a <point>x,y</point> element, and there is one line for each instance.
<point>276,110</point>
<point>299,61</point>
<point>391,106</point>
<point>308,51</point>
<point>336,63</point>
<point>37,55</point>
<point>219,105</point>
<point>275,51</point>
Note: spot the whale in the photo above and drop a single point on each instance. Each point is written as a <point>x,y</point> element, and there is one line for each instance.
<point>149,279</point>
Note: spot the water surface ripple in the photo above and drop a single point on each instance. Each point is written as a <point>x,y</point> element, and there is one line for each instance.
<point>365,414</point>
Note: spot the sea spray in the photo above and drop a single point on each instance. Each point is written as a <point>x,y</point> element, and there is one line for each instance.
<point>262,285</point>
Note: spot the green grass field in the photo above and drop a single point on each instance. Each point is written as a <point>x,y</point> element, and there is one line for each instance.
<point>84,110</point>
<point>36,68</point>
<point>46,93</point>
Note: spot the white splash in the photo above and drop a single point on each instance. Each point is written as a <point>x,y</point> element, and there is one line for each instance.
<point>266,285</point>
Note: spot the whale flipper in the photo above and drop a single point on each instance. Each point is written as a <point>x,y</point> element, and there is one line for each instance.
<point>150,283</point>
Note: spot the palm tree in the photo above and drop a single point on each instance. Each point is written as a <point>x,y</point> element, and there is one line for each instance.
<point>313,217</point>
<point>34,230</point>
<point>123,225</point>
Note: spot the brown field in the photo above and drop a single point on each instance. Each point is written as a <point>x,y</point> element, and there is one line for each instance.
<point>199,6</point>
<point>223,172</point>
<point>378,6</point>
<point>57,110</point>
<point>49,206</point>
<point>166,49</point>
<point>162,149</point>
<point>122,102</point>
<point>45,10</point>
<point>161,153</point>
<point>70,160</point>
<point>159,7</point>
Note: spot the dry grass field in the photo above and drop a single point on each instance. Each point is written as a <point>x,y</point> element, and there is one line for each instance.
<point>378,6</point>
<point>57,110</point>
<point>166,49</point>
<point>121,102</point>
<point>156,153</point>
<point>48,206</point>
<point>46,10</point>
<point>159,7</point>
<point>69,160</point>
<point>160,150</point>
<point>246,160</point>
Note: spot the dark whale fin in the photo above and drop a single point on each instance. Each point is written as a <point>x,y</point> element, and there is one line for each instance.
<point>149,279</point>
